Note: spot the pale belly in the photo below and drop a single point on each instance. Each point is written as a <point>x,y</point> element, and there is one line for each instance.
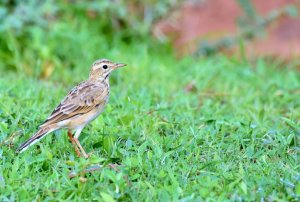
<point>81,120</point>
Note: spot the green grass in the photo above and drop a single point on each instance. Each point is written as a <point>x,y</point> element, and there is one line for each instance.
<point>234,137</point>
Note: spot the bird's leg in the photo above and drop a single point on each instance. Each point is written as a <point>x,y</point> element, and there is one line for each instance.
<point>70,135</point>
<point>75,138</point>
<point>80,147</point>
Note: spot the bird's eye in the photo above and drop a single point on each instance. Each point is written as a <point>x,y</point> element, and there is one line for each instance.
<point>104,66</point>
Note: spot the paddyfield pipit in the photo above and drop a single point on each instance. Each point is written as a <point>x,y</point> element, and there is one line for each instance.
<point>82,105</point>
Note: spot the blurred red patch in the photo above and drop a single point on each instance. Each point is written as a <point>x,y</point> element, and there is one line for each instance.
<point>212,20</point>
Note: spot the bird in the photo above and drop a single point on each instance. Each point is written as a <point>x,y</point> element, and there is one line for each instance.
<point>83,104</point>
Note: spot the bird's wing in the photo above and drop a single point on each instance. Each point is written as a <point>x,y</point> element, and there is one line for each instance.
<point>80,100</point>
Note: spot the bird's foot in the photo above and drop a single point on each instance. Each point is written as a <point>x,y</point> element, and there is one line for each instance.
<point>115,166</point>
<point>85,155</point>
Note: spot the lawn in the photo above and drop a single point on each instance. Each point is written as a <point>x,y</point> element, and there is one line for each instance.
<point>210,128</point>
<point>233,135</point>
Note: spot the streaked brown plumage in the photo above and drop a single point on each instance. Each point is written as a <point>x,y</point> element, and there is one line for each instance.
<point>82,105</point>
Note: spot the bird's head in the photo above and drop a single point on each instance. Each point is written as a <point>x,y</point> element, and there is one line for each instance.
<point>102,68</point>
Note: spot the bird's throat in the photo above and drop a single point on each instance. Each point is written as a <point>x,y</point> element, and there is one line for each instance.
<point>106,76</point>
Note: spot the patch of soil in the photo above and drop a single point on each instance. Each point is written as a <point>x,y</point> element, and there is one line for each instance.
<point>213,20</point>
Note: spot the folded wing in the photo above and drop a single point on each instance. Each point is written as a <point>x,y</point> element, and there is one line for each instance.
<point>80,100</point>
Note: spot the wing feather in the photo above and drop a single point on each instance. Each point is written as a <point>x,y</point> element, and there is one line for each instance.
<point>80,100</point>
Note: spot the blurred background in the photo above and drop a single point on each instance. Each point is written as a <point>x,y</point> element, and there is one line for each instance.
<point>41,38</point>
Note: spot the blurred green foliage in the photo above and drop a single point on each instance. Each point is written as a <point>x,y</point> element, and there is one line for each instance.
<point>248,8</point>
<point>38,36</point>
<point>134,15</point>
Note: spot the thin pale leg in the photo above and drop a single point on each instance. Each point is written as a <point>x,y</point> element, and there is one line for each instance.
<point>70,135</point>
<point>76,136</point>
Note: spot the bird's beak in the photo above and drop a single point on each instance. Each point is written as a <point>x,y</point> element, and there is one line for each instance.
<point>118,65</point>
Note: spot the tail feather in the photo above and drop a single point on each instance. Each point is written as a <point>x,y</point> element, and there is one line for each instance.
<point>42,132</point>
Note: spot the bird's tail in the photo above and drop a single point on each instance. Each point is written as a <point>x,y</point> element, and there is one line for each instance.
<point>42,132</point>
